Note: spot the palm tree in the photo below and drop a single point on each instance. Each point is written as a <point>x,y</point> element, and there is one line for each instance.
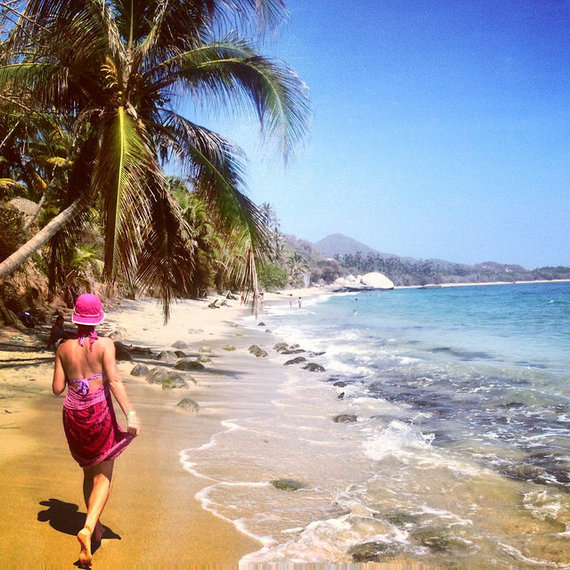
<point>298,268</point>
<point>270,219</point>
<point>119,69</point>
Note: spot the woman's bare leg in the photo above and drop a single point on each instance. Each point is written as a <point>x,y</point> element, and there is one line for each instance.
<point>96,488</point>
<point>87,489</point>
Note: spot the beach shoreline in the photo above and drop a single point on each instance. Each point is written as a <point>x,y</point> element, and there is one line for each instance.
<point>153,514</point>
<point>159,513</point>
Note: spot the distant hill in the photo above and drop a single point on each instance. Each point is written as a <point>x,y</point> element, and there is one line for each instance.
<point>356,257</point>
<point>339,244</point>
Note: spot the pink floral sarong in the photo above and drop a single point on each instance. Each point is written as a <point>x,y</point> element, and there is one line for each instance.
<point>91,428</point>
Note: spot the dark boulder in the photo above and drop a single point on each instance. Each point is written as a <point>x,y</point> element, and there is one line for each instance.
<point>375,551</point>
<point>189,405</point>
<point>345,418</point>
<point>140,350</point>
<point>140,370</point>
<point>166,356</point>
<point>313,367</point>
<point>122,352</point>
<point>187,364</point>
<point>257,351</point>
<point>297,360</point>
<point>168,378</point>
<point>288,484</point>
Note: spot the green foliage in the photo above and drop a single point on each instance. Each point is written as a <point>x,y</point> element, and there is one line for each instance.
<point>111,76</point>
<point>326,270</point>
<point>272,276</point>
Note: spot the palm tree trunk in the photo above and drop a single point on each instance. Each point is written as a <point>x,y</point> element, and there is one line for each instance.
<point>12,262</point>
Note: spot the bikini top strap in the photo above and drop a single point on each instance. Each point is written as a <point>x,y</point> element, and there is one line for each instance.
<point>93,336</point>
<point>83,383</point>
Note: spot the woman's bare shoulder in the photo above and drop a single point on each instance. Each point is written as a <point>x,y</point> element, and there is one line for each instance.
<point>106,342</point>
<point>63,347</point>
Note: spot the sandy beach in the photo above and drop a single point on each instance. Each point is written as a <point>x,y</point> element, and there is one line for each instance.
<point>153,517</point>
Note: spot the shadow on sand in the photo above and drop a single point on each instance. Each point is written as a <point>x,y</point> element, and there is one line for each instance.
<point>66,518</point>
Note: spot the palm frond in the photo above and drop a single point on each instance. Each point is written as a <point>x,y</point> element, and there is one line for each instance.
<point>215,167</point>
<point>9,185</point>
<point>230,71</point>
<point>167,261</point>
<point>122,170</point>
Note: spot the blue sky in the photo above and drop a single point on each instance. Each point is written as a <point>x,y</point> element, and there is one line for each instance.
<point>441,129</point>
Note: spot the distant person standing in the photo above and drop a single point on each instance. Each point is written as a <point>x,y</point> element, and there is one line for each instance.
<point>300,301</point>
<point>291,300</point>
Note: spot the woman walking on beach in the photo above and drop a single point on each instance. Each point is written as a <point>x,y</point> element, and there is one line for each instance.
<point>87,365</point>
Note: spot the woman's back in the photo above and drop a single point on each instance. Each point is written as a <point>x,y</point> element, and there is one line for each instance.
<point>84,360</point>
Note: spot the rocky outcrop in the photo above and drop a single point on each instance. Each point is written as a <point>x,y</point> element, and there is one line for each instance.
<point>140,370</point>
<point>169,378</point>
<point>257,351</point>
<point>296,360</point>
<point>189,406</point>
<point>373,281</point>
<point>167,356</point>
<point>284,348</point>
<point>375,551</point>
<point>26,207</point>
<point>122,351</point>
<point>187,364</point>
<point>345,419</point>
<point>288,484</point>
<point>313,367</point>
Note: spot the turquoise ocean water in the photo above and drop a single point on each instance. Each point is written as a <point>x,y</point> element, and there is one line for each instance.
<point>459,455</point>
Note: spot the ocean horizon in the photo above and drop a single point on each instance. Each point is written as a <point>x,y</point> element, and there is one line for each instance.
<point>450,444</point>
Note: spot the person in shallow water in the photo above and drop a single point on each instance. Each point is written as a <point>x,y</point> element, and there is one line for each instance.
<point>87,366</point>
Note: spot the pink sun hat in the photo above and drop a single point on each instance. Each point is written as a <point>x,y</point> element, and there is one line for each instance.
<point>88,310</point>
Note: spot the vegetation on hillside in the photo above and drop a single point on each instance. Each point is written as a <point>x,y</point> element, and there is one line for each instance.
<point>423,272</point>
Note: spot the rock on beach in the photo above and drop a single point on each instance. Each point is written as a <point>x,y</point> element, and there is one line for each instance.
<point>169,378</point>
<point>188,364</point>
<point>189,406</point>
<point>257,351</point>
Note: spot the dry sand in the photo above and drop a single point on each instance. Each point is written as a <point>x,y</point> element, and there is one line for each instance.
<point>153,517</point>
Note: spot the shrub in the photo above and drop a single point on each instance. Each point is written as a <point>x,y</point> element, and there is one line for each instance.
<point>272,276</point>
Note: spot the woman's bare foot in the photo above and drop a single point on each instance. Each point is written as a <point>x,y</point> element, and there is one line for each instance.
<point>85,556</point>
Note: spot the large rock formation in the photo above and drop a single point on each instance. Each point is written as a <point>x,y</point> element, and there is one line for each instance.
<point>368,282</point>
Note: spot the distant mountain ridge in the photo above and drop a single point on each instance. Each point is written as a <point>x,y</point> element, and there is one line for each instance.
<point>339,244</point>
<point>357,257</point>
